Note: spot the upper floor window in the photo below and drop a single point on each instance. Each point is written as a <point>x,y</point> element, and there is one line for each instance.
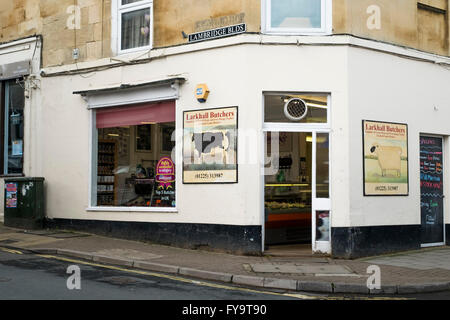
<point>297,16</point>
<point>134,25</point>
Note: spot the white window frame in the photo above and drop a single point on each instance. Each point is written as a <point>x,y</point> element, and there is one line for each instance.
<point>326,21</point>
<point>116,24</point>
<point>92,198</point>
<point>96,100</point>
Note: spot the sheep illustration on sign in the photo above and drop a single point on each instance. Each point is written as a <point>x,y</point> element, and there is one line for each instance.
<point>389,158</point>
<point>385,158</point>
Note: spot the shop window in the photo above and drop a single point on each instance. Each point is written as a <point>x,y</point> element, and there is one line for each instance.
<point>310,108</point>
<point>12,122</point>
<point>297,16</point>
<point>135,147</point>
<point>134,24</point>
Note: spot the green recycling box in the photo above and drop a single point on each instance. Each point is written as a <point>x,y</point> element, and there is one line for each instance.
<point>24,203</point>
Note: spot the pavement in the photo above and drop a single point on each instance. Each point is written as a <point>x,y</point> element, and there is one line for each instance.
<point>421,271</point>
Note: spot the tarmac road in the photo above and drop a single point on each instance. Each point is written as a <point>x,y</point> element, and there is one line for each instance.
<point>31,276</point>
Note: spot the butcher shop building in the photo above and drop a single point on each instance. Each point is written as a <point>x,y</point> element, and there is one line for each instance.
<point>242,126</point>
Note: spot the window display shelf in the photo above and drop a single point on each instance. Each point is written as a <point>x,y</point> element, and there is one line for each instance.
<point>106,162</point>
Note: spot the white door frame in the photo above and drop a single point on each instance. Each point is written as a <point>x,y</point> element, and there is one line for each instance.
<point>317,203</point>
<point>445,186</point>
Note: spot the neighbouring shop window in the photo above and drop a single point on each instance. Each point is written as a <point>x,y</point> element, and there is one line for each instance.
<point>12,123</point>
<point>314,108</point>
<point>135,166</point>
<point>135,23</point>
<point>296,16</point>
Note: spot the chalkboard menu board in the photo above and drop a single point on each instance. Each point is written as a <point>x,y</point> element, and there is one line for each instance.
<point>431,189</point>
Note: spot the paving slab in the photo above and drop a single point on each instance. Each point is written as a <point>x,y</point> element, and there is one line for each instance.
<point>299,269</point>
<point>129,254</point>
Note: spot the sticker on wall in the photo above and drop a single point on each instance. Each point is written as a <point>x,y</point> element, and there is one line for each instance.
<point>11,195</point>
<point>385,158</point>
<point>210,146</point>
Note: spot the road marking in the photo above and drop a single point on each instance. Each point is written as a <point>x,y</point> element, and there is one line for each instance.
<point>11,251</point>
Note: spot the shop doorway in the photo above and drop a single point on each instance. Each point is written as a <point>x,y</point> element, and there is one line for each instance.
<point>431,191</point>
<point>296,190</point>
<point>296,175</point>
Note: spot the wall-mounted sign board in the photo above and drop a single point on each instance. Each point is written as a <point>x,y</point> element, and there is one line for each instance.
<point>210,146</point>
<point>15,70</point>
<point>217,33</point>
<point>385,163</point>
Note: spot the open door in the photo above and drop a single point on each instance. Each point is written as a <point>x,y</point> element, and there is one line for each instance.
<point>321,203</point>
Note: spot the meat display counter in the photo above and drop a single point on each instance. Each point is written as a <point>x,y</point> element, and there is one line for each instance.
<point>287,212</point>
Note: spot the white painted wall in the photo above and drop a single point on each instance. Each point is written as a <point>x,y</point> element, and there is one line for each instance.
<point>236,76</point>
<point>390,88</point>
<point>363,83</point>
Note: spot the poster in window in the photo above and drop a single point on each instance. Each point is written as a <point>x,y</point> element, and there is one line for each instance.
<point>167,140</point>
<point>143,138</point>
<point>285,141</point>
<point>385,158</point>
<point>210,146</point>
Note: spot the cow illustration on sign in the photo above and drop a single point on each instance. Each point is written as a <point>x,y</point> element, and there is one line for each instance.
<point>211,143</point>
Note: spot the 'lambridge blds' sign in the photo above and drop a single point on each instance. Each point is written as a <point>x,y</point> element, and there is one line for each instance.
<point>218,33</point>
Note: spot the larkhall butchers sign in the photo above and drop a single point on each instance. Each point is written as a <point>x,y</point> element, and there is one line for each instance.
<point>385,158</point>
<point>210,145</point>
<point>218,33</point>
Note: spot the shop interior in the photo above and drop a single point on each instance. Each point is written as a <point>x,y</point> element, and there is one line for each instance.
<point>126,165</point>
<point>289,177</point>
<point>287,189</point>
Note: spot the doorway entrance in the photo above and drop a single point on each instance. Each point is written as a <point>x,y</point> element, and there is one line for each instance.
<point>432,191</point>
<point>296,184</point>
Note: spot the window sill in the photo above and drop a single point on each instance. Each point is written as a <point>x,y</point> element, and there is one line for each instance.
<point>15,175</point>
<point>131,54</point>
<point>132,209</point>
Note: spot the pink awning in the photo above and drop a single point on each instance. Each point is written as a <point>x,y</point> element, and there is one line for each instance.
<point>131,115</point>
